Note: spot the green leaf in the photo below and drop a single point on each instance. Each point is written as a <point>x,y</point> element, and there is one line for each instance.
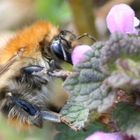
<point>120,56</point>
<point>87,91</point>
<point>69,134</point>
<point>127,118</point>
<point>120,46</point>
<point>110,65</point>
<point>126,76</point>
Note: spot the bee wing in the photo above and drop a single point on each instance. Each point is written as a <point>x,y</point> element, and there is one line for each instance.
<point>11,61</point>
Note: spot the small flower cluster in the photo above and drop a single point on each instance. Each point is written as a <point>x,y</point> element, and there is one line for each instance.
<point>121,18</point>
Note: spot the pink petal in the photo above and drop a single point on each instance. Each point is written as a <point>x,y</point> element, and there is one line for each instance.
<point>105,136</point>
<point>78,53</point>
<point>121,19</point>
<point>136,22</point>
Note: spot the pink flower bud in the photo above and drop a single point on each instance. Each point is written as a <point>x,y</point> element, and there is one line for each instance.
<point>78,53</point>
<point>121,18</point>
<point>105,136</point>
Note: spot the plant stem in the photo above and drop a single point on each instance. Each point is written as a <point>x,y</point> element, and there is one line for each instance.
<point>83,16</point>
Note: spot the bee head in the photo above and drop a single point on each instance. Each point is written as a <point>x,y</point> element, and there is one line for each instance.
<point>61,45</point>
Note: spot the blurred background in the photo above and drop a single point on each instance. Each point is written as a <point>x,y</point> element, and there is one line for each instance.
<point>79,16</point>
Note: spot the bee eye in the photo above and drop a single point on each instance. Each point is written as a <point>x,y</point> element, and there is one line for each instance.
<point>30,109</point>
<point>59,49</point>
<point>56,48</point>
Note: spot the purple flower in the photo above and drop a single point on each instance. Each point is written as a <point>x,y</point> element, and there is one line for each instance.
<point>109,136</point>
<point>78,53</point>
<point>121,18</point>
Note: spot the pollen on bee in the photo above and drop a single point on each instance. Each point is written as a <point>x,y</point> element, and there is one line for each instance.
<point>29,39</point>
<point>20,126</point>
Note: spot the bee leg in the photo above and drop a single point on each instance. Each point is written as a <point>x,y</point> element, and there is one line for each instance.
<point>68,123</point>
<point>54,65</point>
<point>60,74</point>
<point>56,117</point>
<point>57,71</point>
<point>51,116</point>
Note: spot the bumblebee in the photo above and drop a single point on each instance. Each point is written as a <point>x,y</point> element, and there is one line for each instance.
<point>29,64</point>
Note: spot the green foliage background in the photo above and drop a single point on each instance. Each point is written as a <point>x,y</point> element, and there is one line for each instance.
<point>56,11</point>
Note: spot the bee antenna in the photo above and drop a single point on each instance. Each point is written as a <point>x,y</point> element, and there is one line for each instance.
<point>87,35</point>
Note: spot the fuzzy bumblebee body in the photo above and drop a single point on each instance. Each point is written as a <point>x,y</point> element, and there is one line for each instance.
<point>26,46</point>
<point>26,87</point>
